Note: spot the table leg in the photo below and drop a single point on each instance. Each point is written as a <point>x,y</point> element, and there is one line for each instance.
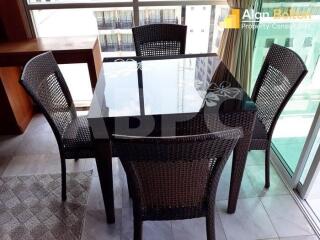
<point>238,165</point>
<point>104,166</point>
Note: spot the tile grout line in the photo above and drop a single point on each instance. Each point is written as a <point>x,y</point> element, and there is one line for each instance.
<point>296,199</point>
<point>224,232</point>
<point>269,217</point>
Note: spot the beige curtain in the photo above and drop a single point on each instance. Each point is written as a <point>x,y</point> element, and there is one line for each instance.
<point>236,47</point>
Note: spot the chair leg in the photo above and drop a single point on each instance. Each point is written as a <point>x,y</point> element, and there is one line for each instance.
<point>137,229</point>
<point>210,226</point>
<point>267,168</point>
<point>129,188</point>
<point>63,179</point>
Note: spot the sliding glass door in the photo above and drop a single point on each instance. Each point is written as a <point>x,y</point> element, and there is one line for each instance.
<point>296,139</point>
<point>302,35</point>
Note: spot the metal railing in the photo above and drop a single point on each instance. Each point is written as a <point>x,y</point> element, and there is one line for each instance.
<point>121,46</point>
<point>110,47</point>
<point>114,24</point>
<point>102,25</point>
<point>125,24</point>
<point>126,47</point>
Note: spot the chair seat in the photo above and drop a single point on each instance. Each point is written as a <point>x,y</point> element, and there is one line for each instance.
<point>259,136</point>
<point>77,140</point>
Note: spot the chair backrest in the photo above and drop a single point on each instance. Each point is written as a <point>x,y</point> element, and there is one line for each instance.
<point>160,39</point>
<point>281,74</point>
<point>44,82</point>
<point>174,177</point>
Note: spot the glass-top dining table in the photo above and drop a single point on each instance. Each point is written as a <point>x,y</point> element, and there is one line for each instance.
<point>155,96</point>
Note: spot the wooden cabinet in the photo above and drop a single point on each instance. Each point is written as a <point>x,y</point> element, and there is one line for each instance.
<point>16,107</point>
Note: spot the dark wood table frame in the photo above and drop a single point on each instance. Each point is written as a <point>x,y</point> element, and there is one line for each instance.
<point>104,153</point>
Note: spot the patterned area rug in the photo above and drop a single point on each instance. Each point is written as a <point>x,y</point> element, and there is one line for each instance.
<point>31,207</point>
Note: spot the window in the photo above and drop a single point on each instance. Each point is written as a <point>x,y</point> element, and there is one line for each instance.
<point>169,16</point>
<point>100,18</point>
<point>269,42</point>
<point>289,42</point>
<point>103,42</point>
<point>125,15</point>
<point>307,42</point>
<point>113,23</point>
<point>126,42</point>
<point>109,16</point>
<point>152,16</point>
<point>287,139</point>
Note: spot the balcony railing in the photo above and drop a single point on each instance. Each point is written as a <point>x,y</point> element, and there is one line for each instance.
<point>171,20</point>
<point>110,47</point>
<point>106,25</point>
<point>151,21</point>
<point>125,24</point>
<point>158,20</point>
<point>114,47</point>
<point>115,24</point>
<point>126,47</point>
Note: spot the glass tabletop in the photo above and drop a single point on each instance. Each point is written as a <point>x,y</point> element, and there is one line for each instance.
<point>137,87</point>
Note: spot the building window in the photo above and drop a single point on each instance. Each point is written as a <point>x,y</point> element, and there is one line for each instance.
<point>126,42</point>
<point>103,41</point>
<point>169,16</point>
<point>152,16</point>
<point>307,42</point>
<point>125,20</point>
<point>289,42</point>
<point>269,42</point>
<point>99,17</point>
<point>109,16</point>
<point>112,42</point>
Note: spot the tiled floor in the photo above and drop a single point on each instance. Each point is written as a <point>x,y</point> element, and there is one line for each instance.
<point>313,198</point>
<point>261,214</point>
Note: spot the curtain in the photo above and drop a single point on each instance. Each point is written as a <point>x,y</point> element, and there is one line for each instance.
<point>237,45</point>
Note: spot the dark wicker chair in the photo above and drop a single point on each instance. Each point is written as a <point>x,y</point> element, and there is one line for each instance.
<point>281,74</point>
<point>44,82</point>
<point>160,39</point>
<point>175,177</point>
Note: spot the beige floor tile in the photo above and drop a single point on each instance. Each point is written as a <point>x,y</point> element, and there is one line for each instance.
<point>255,158</point>
<point>152,230</point>
<point>313,237</point>
<point>286,216</point>
<point>44,164</point>
<point>4,162</point>
<point>256,175</point>
<point>9,144</point>
<point>96,228</point>
<point>36,152</point>
<point>196,229</point>
<point>33,164</point>
<point>247,190</point>
<point>249,222</point>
